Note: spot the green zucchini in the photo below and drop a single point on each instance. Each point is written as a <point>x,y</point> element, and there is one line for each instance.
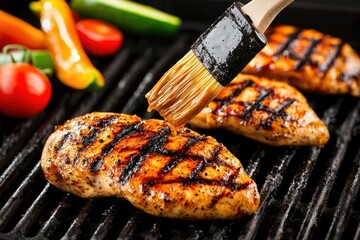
<point>129,16</point>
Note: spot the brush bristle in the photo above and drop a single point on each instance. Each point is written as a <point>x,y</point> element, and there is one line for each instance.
<point>183,91</point>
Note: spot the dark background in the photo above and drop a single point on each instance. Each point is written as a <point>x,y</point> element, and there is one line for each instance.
<point>340,18</point>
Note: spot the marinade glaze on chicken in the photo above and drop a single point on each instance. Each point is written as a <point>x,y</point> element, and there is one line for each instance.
<point>265,110</point>
<point>309,60</point>
<point>179,175</point>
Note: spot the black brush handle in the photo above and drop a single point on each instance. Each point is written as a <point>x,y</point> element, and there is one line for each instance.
<point>229,44</point>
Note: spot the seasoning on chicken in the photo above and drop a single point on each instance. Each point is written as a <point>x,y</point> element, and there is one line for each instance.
<point>178,174</point>
<point>308,60</point>
<point>268,111</point>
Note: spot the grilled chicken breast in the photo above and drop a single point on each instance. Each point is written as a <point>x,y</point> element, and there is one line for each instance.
<point>179,175</point>
<point>268,111</point>
<point>308,60</point>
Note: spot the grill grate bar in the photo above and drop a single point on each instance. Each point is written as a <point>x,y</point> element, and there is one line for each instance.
<point>300,180</point>
<point>31,148</point>
<point>221,232</point>
<point>347,199</point>
<point>52,226</point>
<point>214,230</point>
<point>110,74</point>
<point>38,139</point>
<point>357,234</point>
<point>272,182</point>
<point>127,82</point>
<point>155,232</point>
<point>18,198</point>
<point>317,204</point>
<point>105,225</point>
<point>196,234</point>
<point>293,195</point>
<point>153,75</point>
<point>252,168</point>
<point>128,232</point>
<point>15,141</point>
<point>32,214</point>
<point>78,225</point>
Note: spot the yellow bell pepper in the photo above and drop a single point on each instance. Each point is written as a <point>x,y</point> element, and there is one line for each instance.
<point>73,67</point>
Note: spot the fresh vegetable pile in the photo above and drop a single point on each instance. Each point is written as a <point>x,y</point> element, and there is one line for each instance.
<point>68,34</point>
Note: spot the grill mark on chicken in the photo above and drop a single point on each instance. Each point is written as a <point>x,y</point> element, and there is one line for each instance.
<point>193,177</point>
<point>88,140</point>
<point>217,160</point>
<point>301,61</point>
<point>256,105</point>
<point>108,148</point>
<point>63,140</point>
<point>133,166</point>
<point>203,164</point>
<point>323,68</point>
<point>226,101</point>
<point>277,113</point>
<point>189,182</point>
<point>350,76</point>
<point>233,186</point>
<point>194,181</point>
<point>286,50</point>
<point>128,130</point>
<point>96,164</point>
<point>216,199</point>
<point>179,156</point>
<point>286,44</point>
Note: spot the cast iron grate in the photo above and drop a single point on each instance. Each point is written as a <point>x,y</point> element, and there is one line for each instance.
<point>306,192</point>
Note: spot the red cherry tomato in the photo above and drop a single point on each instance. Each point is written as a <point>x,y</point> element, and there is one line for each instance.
<point>99,38</point>
<point>24,90</point>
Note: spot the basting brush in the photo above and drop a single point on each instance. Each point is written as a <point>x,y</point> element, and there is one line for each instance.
<point>215,58</point>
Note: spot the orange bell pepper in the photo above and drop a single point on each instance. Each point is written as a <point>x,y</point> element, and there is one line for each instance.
<point>73,67</point>
<point>13,30</point>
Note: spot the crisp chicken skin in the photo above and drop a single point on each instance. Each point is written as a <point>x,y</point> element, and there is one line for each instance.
<point>178,175</point>
<point>309,60</point>
<point>265,110</point>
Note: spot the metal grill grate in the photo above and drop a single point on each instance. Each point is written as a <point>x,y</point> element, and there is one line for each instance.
<point>306,192</point>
